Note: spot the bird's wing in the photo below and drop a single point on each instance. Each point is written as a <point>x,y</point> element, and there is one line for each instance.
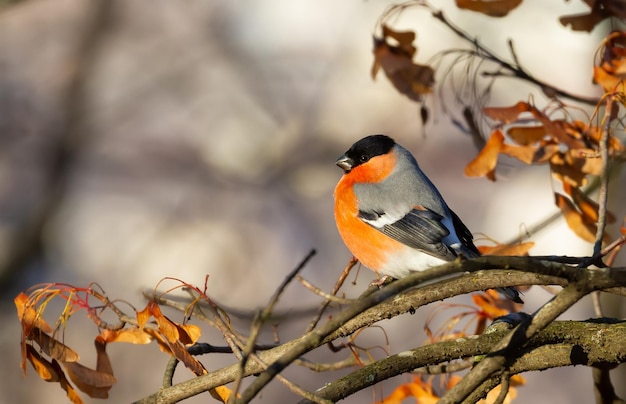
<point>467,248</point>
<point>420,228</point>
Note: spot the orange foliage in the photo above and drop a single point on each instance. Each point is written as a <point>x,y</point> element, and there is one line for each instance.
<point>492,8</point>
<point>411,79</point>
<point>570,149</point>
<point>54,361</point>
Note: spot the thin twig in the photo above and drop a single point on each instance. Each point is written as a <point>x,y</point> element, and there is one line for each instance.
<point>498,357</point>
<point>329,298</point>
<point>514,71</point>
<point>504,387</point>
<point>604,176</point>
<point>344,274</point>
<point>326,367</point>
<point>263,316</point>
<point>292,386</point>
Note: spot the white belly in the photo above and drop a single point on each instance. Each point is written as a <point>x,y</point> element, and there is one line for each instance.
<point>401,264</point>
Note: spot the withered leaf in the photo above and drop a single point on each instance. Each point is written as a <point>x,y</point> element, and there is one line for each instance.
<point>167,327</point>
<point>65,384</point>
<point>189,333</point>
<point>567,171</point>
<point>144,315</point>
<point>584,21</point>
<point>404,38</point>
<point>600,10</point>
<point>574,219</point>
<point>28,316</point>
<point>133,335</point>
<point>587,206</point>
<point>516,249</point>
<point>526,135</point>
<point>488,306</point>
<point>484,164</point>
<point>53,347</point>
<point>492,8</point>
<point>507,114</point>
<point>525,154</point>
<point>42,366</point>
<point>221,393</point>
<point>185,357</point>
<point>92,382</point>
<point>103,363</point>
<point>411,79</point>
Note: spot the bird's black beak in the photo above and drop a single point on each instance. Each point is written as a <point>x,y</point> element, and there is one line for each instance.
<point>345,163</point>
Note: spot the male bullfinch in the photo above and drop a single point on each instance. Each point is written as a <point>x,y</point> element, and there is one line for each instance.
<point>391,217</point>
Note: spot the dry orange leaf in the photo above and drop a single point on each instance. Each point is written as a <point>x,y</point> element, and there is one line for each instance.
<point>588,207</point>
<point>487,303</point>
<point>103,363</point>
<point>582,22</point>
<point>585,159</point>
<point>28,316</point>
<point>95,383</point>
<point>519,249</point>
<point>404,38</point>
<point>484,164</point>
<point>611,68</point>
<point>605,79</point>
<point>53,347</point>
<point>221,393</point>
<point>132,335</point>
<point>166,327</point>
<point>422,391</point>
<point>411,79</point>
<point>492,8</point>
<point>164,346</point>
<point>562,169</point>
<point>187,359</point>
<point>507,114</point>
<point>92,382</point>
<point>526,135</point>
<point>525,154</point>
<point>65,384</point>
<point>189,333</point>
<point>574,219</point>
<point>144,315</point>
<point>42,366</point>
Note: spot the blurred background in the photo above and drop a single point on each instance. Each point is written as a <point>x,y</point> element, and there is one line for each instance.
<point>140,140</point>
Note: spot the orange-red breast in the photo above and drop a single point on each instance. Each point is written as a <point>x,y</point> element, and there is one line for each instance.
<point>391,216</point>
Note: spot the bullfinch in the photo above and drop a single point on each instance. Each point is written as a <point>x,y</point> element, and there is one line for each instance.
<point>392,218</point>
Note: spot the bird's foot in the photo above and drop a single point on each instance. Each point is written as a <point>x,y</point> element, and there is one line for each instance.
<point>382,281</point>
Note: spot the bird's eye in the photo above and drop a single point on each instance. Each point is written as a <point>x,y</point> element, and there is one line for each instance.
<point>364,158</point>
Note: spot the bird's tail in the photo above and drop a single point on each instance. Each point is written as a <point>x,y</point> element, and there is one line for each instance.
<point>510,293</point>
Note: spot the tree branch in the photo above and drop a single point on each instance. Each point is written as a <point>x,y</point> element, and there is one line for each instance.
<point>514,70</point>
<point>562,343</point>
<point>406,297</point>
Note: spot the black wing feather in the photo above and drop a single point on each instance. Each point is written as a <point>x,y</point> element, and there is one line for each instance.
<point>419,229</point>
<point>465,236</point>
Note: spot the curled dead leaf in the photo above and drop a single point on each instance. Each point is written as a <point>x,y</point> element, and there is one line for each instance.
<point>484,164</point>
<point>507,114</point>
<point>92,382</point>
<point>575,220</point>
<point>411,79</point>
<point>53,347</point>
<point>492,8</point>
<point>28,316</point>
<point>526,135</point>
<point>567,171</point>
<point>132,335</point>
<point>42,366</point>
<point>517,249</point>
<point>588,207</point>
